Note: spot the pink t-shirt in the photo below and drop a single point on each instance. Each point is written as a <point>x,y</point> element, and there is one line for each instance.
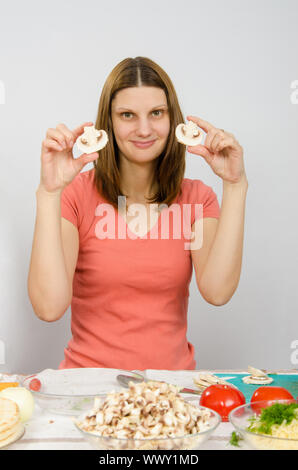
<point>130,294</point>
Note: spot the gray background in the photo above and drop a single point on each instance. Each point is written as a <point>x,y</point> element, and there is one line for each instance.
<point>232,63</point>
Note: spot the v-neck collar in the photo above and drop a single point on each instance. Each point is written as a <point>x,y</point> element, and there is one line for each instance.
<point>154,227</point>
<point>135,235</point>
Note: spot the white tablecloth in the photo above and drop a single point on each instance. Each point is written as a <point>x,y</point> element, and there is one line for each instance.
<point>51,431</point>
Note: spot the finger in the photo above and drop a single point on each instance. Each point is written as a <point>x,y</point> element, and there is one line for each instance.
<point>225,143</point>
<point>50,144</point>
<point>58,136</point>
<point>216,136</point>
<point>202,151</point>
<point>209,138</point>
<point>229,134</point>
<point>68,135</point>
<point>86,158</point>
<point>77,131</point>
<point>219,136</point>
<point>205,125</point>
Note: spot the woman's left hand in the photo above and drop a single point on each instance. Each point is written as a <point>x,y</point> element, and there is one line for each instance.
<point>221,151</point>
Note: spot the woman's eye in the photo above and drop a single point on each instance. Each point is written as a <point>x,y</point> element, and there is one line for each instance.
<point>156,111</point>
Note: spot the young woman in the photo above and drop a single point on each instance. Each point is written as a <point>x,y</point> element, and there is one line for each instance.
<point>128,282</point>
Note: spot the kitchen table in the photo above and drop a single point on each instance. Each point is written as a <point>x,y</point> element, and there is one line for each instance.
<point>48,431</point>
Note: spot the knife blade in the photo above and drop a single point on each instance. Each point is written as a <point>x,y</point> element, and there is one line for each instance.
<point>125,379</point>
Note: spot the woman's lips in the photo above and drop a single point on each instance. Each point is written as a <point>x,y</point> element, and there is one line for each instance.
<point>143,145</point>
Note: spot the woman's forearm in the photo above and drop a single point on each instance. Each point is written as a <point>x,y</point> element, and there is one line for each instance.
<point>223,267</point>
<point>48,284</point>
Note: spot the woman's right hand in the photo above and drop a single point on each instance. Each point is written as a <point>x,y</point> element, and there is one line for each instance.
<point>58,167</point>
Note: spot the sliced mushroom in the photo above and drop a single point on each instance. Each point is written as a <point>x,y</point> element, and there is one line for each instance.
<point>258,376</point>
<point>203,381</point>
<point>189,134</point>
<point>256,372</point>
<point>92,140</point>
<point>257,380</point>
<point>154,420</point>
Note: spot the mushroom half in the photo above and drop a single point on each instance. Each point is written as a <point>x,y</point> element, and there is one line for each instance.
<point>189,134</point>
<point>257,380</point>
<point>92,140</point>
<point>258,376</point>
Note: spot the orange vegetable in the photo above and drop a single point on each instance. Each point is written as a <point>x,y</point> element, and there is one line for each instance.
<point>4,385</point>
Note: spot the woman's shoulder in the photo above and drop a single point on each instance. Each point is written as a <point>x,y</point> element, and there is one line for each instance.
<point>87,176</point>
<point>80,186</point>
<point>195,191</point>
<point>83,180</point>
<point>194,188</point>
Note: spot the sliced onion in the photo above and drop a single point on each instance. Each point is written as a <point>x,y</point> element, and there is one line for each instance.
<point>23,398</point>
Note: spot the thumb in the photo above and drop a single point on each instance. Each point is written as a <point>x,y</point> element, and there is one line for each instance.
<point>86,158</point>
<point>202,151</point>
<point>80,129</point>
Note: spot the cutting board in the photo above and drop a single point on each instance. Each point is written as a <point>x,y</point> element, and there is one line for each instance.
<point>288,381</point>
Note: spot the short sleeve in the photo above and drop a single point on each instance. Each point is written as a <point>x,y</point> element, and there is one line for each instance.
<point>206,201</point>
<point>210,205</point>
<point>72,201</point>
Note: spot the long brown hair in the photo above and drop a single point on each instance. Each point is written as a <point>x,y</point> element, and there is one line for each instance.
<point>170,165</point>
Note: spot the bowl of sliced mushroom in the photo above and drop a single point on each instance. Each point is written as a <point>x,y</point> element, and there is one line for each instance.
<point>147,416</point>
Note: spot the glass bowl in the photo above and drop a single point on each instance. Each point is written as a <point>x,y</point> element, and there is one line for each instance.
<point>72,391</point>
<point>189,441</point>
<point>240,416</point>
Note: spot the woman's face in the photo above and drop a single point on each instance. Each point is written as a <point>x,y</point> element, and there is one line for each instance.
<point>139,115</point>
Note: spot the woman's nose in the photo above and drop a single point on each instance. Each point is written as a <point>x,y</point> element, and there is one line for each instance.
<point>144,127</point>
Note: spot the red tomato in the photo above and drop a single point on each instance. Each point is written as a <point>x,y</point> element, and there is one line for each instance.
<point>222,398</point>
<point>269,394</point>
<point>35,385</point>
